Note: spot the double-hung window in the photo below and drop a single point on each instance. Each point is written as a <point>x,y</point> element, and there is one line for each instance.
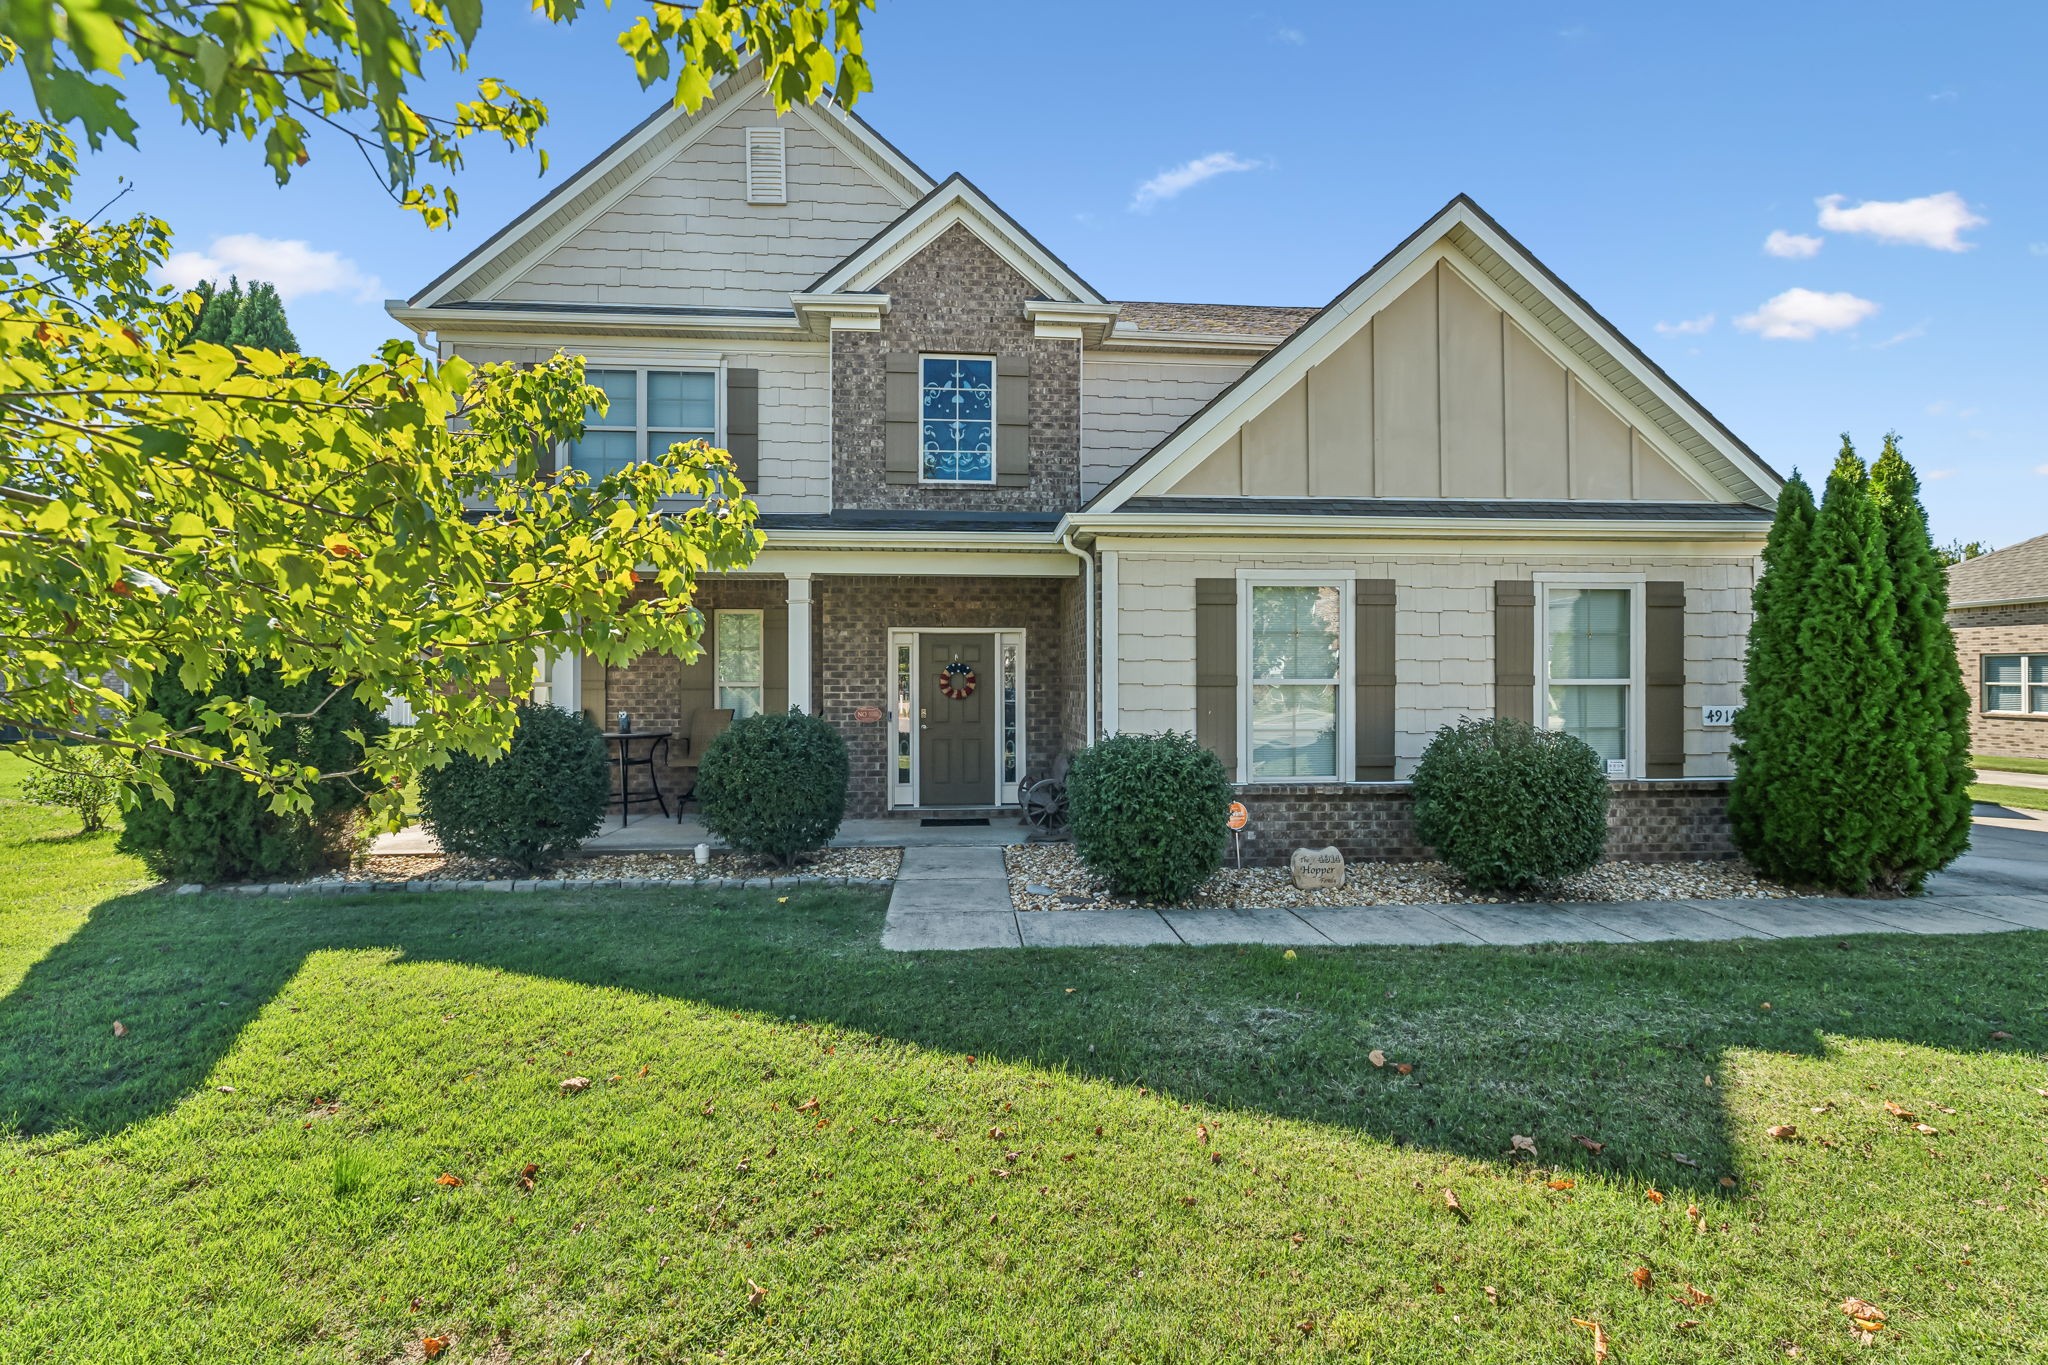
<point>956,403</point>
<point>650,411</point>
<point>739,661</point>
<point>2015,684</point>
<point>1589,647</point>
<point>1295,667</point>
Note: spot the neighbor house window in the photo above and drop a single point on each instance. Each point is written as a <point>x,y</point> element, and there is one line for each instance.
<point>1294,685</point>
<point>650,411</point>
<point>2016,684</point>
<point>739,662</point>
<point>957,407</point>
<point>1589,668</point>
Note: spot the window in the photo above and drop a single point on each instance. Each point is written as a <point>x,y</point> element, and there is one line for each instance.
<point>1589,668</point>
<point>739,664</point>
<point>650,411</point>
<point>2016,684</point>
<point>903,719</point>
<point>957,407</point>
<point>1295,662</point>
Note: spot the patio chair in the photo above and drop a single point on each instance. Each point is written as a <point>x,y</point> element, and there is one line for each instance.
<point>706,724</point>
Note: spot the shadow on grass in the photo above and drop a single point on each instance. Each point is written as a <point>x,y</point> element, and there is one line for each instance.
<point>1614,1042</point>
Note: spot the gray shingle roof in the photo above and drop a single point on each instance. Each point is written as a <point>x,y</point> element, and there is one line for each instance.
<point>2018,573</point>
<point>1215,319</point>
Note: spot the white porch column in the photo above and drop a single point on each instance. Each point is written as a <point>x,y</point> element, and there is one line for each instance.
<point>1109,643</point>
<point>559,680</point>
<point>800,641</point>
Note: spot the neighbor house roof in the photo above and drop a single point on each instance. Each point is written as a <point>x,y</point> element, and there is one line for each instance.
<point>2018,573</point>
<point>1232,319</point>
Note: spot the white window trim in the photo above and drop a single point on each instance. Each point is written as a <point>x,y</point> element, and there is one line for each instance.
<point>994,382</point>
<point>642,367</point>
<point>1006,792</point>
<point>1345,581</point>
<point>1638,593</point>
<point>2024,685</point>
<point>718,679</point>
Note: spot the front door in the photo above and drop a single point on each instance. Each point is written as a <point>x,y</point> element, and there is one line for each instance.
<point>956,721</point>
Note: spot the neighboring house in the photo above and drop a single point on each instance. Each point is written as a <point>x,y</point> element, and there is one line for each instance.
<point>1998,608</point>
<point>1006,514</point>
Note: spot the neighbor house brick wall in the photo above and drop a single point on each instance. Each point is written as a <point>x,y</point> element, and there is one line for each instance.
<point>955,297</point>
<point>1670,821</point>
<point>1979,631</point>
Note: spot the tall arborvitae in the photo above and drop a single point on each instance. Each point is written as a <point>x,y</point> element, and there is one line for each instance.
<point>1767,747</point>
<point>1934,711</point>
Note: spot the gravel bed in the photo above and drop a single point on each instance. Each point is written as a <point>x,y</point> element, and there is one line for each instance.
<point>853,864</point>
<point>1050,877</point>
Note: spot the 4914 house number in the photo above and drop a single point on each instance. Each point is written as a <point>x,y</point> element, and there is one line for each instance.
<point>1717,717</point>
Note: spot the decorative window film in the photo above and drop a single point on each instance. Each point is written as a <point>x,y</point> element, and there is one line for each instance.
<point>903,717</point>
<point>957,408</point>
<point>2016,684</point>
<point>650,411</point>
<point>1296,659</point>
<point>1010,699</point>
<point>1588,667</point>
<point>739,661</point>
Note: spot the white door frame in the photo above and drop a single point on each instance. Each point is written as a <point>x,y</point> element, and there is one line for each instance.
<point>907,795</point>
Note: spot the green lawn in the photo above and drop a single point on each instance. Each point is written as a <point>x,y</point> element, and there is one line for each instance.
<point>1007,1158</point>
<point>2011,765</point>
<point>2027,798</point>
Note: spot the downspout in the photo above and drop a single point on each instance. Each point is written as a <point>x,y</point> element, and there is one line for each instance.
<point>1087,626</point>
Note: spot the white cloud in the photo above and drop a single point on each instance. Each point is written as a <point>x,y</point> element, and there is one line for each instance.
<point>1170,183</point>
<point>1937,475</point>
<point>1933,220</point>
<point>1689,327</point>
<point>1802,314</point>
<point>1793,246</point>
<point>290,264</point>
<point>1918,329</point>
<point>1293,36</point>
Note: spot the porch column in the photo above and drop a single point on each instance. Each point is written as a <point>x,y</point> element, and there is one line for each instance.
<point>1110,643</point>
<point>800,641</point>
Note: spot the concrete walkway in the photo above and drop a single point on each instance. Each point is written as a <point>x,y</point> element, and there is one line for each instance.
<point>1999,777</point>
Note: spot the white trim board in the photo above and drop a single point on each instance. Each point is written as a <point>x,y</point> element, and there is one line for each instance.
<point>955,201</point>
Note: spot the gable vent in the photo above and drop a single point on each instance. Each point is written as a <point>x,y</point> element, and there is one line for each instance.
<point>767,182</point>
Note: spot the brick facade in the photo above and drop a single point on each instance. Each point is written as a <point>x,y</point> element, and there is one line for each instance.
<point>1979,631</point>
<point>1648,822</point>
<point>955,297</point>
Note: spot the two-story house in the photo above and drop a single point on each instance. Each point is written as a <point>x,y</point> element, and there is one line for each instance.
<point>1006,513</point>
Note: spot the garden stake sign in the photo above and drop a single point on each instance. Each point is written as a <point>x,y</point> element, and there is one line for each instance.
<point>1239,818</point>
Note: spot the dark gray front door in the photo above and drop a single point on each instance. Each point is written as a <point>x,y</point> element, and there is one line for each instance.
<point>956,741</point>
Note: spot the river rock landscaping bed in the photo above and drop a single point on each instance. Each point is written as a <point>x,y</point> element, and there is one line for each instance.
<point>438,872</point>
<point>1051,877</point>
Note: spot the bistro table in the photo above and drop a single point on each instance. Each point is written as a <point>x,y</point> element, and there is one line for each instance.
<point>625,762</point>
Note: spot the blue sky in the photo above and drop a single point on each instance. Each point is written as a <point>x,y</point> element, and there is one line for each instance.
<point>1816,217</point>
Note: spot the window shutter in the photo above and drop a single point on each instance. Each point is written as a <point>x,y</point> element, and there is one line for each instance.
<point>1373,713</point>
<point>899,417</point>
<point>743,424</point>
<point>1664,680</point>
<point>767,177</point>
<point>1216,669</point>
<point>1514,649</point>
<point>544,451</point>
<point>1013,421</point>
<point>775,660</point>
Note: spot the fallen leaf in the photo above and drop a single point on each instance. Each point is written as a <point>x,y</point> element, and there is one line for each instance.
<point>1640,1277</point>
<point>414,1306</point>
<point>1070,990</point>
<point>1727,1182</point>
<point>1451,1203</point>
<point>1521,1143</point>
<point>1710,1079</point>
<point>585,1358</point>
<point>575,1084</point>
<point>1202,1133</point>
<point>1654,1195</point>
<point>1376,1057</point>
<point>1765,1006</point>
<point>431,1347</point>
<point>808,1105</point>
<point>1899,1111</point>
<point>1562,1184</point>
<point>225,1089</point>
<point>1306,1326</point>
<point>1596,1148</point>
<point>756,1295</point>
<point>1999,1035</point>
<point>1860,1311</point>
<point>1687,1324</point>
<point>1403,1068</point>
<point>120,1029</point>
<point>996,1134</point>
<point>1927,1129</point>
<point>1682,1159</point>
<point>1782,1131</point>
<point>1599,1338</point>
<point>1492,1294</point>
<point>446,1179</point>
<point>1692,1298</point>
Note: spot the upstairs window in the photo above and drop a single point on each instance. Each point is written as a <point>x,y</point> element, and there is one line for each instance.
<point>650,411</point>
<point>957,411</point>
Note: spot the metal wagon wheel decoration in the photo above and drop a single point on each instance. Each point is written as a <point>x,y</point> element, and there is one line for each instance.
<point>956,681</point>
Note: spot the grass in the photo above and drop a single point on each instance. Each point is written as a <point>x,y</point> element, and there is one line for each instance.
<point>1007,1158</point>
<point>2011,765</point>
<point>2026,798</point>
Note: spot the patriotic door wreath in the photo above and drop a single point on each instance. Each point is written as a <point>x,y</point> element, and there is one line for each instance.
<point>956,680</point>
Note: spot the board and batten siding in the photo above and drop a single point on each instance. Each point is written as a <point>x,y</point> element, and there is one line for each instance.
<point>1131,404</point>
<point>1441,394</point>
<point>685,235</point>
<point>1443,633</point>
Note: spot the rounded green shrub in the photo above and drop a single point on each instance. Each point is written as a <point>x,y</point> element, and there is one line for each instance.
<point>219,826</point>
<point>1148,813</point>
<point>774,785</point>
<point>1511,807</point>
<point>533,805</point>
<point>84,778</point>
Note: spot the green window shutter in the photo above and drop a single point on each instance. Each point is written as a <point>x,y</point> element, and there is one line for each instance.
<point>775,660</point>
<point>743,424</point>
<point>1664,680</point>
<point>1013,421</point>
<point>1373,712</point>
<point>899,417</point>
<point>1216,669</point>
<point>1514,649</point>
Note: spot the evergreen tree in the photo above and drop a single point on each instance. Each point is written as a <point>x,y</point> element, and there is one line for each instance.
<point>260,321</point>
<point>217,314</point>
<point>1767,747</point>
<point>1934,712</point>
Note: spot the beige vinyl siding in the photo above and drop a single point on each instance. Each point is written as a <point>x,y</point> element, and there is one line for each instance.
<point>685,235</point>
<point>1129,405</point>
<point>1444,631</point>
<point>1440,395</point>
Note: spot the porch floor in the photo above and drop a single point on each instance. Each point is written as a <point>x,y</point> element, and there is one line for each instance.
<point>653,834</point>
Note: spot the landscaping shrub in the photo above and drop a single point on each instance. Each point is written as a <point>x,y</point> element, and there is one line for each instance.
<point>530,807</point>
<point>1511,807</point>
<point>86,779</point>
<point>774,785</point>
<point>220,826</point>
<point>1148,812</point>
